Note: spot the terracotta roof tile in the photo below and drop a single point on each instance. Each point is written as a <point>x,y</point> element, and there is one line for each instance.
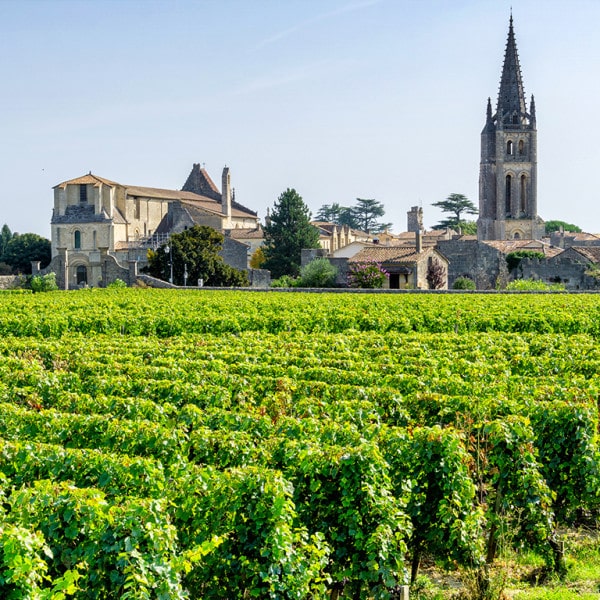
<point>389,254</point>
<point>87,179</point>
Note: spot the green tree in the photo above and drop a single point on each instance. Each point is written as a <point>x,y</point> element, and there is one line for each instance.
<point>363,215</point>
<point>556,225</point>
<point>456,205</point>
<point>195,250</point>
<point>331,213</point>
<point>24,248</point>
<point>5,236</point>
<point>318,273</point>
<point>287,233</point>
<point>366,212</point>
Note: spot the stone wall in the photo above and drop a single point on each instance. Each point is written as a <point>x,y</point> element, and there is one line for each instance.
<point>485,265</point>
<point>235,253</point>
<point>567,268</point>
<point>8,282</point>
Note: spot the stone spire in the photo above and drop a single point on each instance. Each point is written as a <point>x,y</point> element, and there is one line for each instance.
<point>511,108</point>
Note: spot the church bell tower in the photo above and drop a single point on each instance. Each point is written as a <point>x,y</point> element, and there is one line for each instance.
<point>508,168</point>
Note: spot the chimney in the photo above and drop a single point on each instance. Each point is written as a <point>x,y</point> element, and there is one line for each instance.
<point>418,242</point>
<point>226,196</point>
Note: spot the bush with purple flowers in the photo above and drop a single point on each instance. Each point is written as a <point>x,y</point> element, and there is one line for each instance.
<point>367,274</point>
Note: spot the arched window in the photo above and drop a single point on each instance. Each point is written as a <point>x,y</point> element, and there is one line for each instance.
<point>517,236</point>
<point>509,147</point>
<point>77,240</point>
<point>523,193</point>
<point>521,147</point>
<point>508,194</point>
<point>81,274</point>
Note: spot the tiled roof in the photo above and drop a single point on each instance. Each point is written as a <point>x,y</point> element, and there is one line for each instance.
<point>592,253</point>
<point>243,233</point>
<point>86,179</point>
<point>390,254</point>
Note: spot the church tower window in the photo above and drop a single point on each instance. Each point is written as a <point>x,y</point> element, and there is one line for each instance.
<point>521,147</point>
<point>508,194</point>
<point>509,147</point>
<point>83,198</point>
<point>523,193</point>
<point>77,240</point>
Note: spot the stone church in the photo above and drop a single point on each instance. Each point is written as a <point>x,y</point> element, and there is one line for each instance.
<point>99,227</point>
<point>508,168</point>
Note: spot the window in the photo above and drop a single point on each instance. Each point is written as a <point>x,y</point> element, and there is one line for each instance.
<point>521,147</point>
<point>83,194</point>
<point>94,239</point>
<point>509,147</point>
<point>523,193</point>
<point>136,210</point>
<point>77,240</point>
<point>508,194</point>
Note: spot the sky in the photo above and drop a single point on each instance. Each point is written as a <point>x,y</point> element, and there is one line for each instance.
<point>338,99</point>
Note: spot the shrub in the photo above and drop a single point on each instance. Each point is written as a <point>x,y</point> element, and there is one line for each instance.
<point>318,273</point>
<point>513,259</point>
<point>117,283</point>
<point>464,283</point>
<point>43,283</point>
<point>285,281</point>
<point>534,285</point>
<point>367,274</point>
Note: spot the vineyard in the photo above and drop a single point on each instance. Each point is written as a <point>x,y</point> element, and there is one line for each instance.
<point>202,444</point>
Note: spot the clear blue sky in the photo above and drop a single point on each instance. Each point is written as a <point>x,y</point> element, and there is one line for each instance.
<point>338,99</point>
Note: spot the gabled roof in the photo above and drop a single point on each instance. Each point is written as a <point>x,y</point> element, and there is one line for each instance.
<point>246,233</point>
<point>86,180</point>
<point>199,182</point>
<point>591,253</point>
<point>391,254</point>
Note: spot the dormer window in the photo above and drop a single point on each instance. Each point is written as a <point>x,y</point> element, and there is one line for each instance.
<point>83,194</point>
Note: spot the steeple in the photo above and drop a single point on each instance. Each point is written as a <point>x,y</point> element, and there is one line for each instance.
<point>508,166</point>
<point>511,109</point>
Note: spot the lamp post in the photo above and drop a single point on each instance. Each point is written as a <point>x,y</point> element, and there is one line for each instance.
<point>169,251</point>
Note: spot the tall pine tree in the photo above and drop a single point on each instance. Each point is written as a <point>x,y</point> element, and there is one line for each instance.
<point>287,232</point>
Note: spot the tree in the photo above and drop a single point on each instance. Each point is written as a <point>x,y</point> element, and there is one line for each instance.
<point>330,213</point>
<point>24,248</point>
<point>195,250</point>
<point>5,236</point>
<point>556,225</point>
<point>436,274</point>
<point>456,205</point>
<point>363,215</point>
<point>366,212</point>
<point>287,232</point>
<point>318,273</point>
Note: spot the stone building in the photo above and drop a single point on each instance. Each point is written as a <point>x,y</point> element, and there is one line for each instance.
<point>99,226</point>
<point>508,168</point>
<point>407,266</point>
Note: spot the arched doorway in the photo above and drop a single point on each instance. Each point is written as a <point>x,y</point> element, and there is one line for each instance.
<point>81,275</point>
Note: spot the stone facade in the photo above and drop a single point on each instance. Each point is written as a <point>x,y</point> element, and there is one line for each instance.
<point>575,268</point>
<point>469,257</point>
<point>100,226</point>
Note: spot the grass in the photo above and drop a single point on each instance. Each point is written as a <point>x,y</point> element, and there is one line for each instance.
<point>519,576</point>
